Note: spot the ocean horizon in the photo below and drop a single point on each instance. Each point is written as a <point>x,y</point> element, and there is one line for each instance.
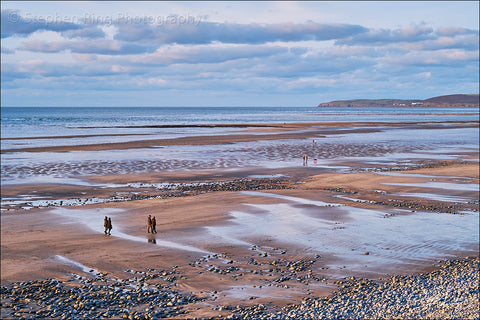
<point>57,121</point>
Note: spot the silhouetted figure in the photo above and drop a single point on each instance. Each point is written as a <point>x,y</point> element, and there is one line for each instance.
<point>154,225</point>
<point>149,224</point>
<point>105,224</point>
<point>110,226</point>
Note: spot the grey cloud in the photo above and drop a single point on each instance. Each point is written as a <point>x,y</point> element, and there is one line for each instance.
<point>106,47</point>
<point>14,24</point>
<point>54,70</point>
<point>7,50</point>
<point>279,63</point>
<point>454,31</point>
<point>87,32</point>
<point>417,38</point>
<point>135,32</point>
<point>41,46</point>
<point>467,42</point>
<point>10,73</point>
<point>313,64</point>
<point>209,32</point>
<point>207,54</point>
<point>387,36</point>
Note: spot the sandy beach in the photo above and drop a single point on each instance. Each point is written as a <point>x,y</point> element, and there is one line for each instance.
<point>245,230</point>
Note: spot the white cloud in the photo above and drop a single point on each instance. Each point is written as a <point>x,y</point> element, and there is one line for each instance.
<point>152,82</point>
<point>120,69</point>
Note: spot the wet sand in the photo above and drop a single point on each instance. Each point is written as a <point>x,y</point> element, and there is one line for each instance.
<point>247,236</point>
<point>282,131</point>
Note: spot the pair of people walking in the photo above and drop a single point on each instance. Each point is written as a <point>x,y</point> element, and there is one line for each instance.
<point>107,223</point>
<point>151,224</point>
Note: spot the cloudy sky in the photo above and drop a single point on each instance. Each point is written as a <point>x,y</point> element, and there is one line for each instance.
<point>150,53</point>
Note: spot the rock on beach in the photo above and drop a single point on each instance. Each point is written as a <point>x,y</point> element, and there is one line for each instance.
<point>450,291</point>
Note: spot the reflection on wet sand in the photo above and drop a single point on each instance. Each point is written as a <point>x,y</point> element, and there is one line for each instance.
<point>390,239</point>
<point>76,264</point>
<point>93,219</point>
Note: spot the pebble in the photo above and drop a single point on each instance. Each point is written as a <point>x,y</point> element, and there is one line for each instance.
<point>450,291</point>
<point>96,298</point>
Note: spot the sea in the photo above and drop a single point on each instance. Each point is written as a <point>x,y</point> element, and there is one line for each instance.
<point>60,121</point>
<point>67,126</point>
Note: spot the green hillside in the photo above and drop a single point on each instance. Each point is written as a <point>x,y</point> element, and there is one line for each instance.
<point>460,100</point>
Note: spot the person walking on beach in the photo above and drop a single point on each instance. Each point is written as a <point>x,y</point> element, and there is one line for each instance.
<point>105,224</point>
<point>149,224</point>
<point>110,226</point>
<point>154,225</point>
<point>305,159</point>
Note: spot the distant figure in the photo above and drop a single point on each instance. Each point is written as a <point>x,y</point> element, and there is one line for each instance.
<point>110,226</point>
<point>305,159</point>
<point>154,225</point>
<point>315,161</point>
<point>105,224</point>
<point>149,224</point>
<point>314,143</point>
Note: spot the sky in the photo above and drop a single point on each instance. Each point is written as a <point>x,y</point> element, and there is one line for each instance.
<point>150,53</point>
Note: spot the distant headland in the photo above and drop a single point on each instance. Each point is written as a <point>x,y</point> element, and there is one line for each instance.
<point>452,100</point>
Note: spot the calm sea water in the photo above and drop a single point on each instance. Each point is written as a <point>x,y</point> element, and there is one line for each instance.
<point>28,122</point>
<point>82,126</point>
